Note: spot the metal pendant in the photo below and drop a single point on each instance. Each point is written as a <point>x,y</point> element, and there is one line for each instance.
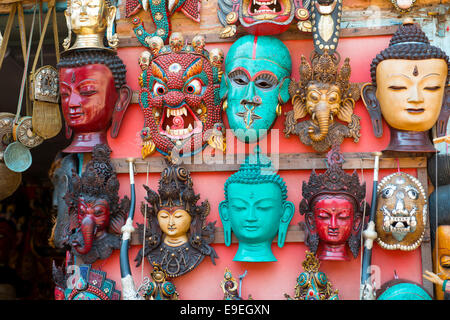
<point>17,157</point>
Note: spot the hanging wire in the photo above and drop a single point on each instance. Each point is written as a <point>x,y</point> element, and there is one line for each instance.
<point>40,31</point>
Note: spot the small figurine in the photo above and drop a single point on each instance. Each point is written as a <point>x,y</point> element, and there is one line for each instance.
<point>401,212</point>
<point>255,85</point>
<point>177,238</point>
<point>313,284</point>
<point>324,93</point>
<point>84,283</point>
<point>255,209</point>
<point>409,89</point>
<point>89,19</point>
<point>161,11</point>
<point>230,286</point>
<point>159,288</point>
<point>333,205</point>
<point>95,213</point>
<point>180,98</point>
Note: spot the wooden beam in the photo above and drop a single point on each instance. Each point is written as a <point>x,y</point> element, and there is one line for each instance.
<point>295,233</point>
<point>289,161</point>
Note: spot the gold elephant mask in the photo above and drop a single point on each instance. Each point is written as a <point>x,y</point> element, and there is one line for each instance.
<point>323,93</point>
<point>401,212</point>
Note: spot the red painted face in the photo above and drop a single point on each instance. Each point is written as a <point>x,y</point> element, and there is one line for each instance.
<point>334,219</point>
<point>97,210</point>
<point>88,97</point>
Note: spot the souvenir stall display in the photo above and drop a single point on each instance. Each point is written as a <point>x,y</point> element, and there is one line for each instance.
<point>209,96</point>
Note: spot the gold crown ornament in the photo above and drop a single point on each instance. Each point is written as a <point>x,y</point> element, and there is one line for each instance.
<point>89,19</point>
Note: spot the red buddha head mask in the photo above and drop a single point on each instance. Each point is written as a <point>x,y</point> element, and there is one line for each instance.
<point>333,204</point>
<point>180,97</point>
<point>94,94</point>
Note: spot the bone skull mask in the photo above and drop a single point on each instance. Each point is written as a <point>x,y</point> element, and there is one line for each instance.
<point>401,212</point>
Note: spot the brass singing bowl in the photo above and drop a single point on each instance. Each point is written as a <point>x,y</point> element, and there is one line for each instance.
<point>9,181</point>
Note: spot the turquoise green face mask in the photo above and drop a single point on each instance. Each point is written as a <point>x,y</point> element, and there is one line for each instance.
<point>255,210</point>
<point>255,85</point>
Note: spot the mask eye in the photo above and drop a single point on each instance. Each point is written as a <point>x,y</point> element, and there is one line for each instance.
<point>193,87</point>
<point>266,81</point>
<point>412,193</point>
<point>313,96</point>
<point>239,77</point>
<point>388,191</point>
<point>333,98</point>
<point>159,89</point>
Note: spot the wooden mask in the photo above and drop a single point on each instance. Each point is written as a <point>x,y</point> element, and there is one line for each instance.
<point>401,212</point>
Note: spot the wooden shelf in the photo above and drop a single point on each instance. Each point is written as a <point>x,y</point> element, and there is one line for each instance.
<point>295,233</point>
<point>289,161</point>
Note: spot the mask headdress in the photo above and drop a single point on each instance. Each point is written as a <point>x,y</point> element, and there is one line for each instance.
<point>323,69</point>
<point>411,43</point>
<point>257,168</point>
<point>99,180</point>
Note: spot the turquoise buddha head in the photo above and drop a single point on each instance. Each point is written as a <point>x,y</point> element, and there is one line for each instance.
<point>255,85</point>
<point>255,209</point>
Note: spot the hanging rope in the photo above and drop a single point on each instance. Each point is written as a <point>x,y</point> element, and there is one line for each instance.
<point>25,69</point>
